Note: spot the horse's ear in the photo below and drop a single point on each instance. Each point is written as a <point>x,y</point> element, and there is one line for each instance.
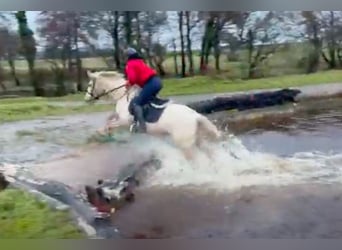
<point>90,74</point>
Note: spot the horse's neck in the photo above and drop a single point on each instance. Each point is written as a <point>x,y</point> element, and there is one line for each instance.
<point>117,94</point>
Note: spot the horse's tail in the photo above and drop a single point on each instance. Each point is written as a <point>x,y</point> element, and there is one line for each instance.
<point>208,127</point>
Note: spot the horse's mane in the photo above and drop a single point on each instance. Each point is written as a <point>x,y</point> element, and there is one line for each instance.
<point>110,74</point>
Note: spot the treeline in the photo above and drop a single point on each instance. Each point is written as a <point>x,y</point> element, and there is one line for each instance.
<point>251,37</point>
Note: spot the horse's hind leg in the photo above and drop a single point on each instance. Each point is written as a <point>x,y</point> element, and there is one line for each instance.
<point>204,147</point>
<point>186,143</point>
<point>188,153</point>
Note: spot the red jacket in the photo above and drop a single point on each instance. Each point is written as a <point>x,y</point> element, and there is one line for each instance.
<point>138,72</point>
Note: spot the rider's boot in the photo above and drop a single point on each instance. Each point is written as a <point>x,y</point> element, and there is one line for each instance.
<point>139,118</point>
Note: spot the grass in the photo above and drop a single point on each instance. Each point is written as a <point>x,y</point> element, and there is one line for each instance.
<point>23,216</point>
<point>35,107</point>
<point>15,110</point>
<point>207,84</point>
<point>204,84</point>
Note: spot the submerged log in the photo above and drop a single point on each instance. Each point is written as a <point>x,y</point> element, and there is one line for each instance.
<point>61,197</point>
<point>108,196</point>
<point>244,102</point>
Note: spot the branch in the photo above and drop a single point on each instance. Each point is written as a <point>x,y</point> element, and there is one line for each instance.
<point>326,59</point>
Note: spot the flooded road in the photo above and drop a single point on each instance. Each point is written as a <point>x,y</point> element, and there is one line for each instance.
<point>316,129</point>
<point>280,178</point>
<point>287,183</point>
<point>296,211</point>
<point>40,140</point>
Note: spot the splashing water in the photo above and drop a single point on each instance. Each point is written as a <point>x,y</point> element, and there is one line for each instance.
<point>233,166</point>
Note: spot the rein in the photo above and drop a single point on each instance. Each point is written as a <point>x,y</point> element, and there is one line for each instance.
<point>104,93</point>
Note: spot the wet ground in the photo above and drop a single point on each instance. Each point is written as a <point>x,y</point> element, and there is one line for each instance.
<point>316,129</point>
<point>297,211</point>
<point>309,208</point>
<point>266,200</point>
<point>40,140</point>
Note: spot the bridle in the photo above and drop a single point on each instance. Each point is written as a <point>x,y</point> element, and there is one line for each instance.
<point>104,93</point>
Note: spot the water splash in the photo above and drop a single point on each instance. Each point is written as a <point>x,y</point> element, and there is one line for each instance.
<point>233,166</point>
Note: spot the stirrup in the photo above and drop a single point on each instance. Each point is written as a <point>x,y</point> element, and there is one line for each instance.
<point>133,128</point>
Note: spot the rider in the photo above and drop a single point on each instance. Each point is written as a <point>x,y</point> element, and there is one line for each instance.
<point>139,73</point>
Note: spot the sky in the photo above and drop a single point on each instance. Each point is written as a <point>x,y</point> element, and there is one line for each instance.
<point>165,36</point>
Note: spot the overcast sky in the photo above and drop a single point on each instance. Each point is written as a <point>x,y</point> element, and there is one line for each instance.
<point>165,36</point>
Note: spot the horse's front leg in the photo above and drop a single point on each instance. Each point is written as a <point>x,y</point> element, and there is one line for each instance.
<point>113,117</point>
<point>113,121</point>
<point>114,124</point>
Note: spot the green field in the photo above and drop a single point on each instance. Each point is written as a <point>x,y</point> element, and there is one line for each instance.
<point>287,60</point>
<point>22,216</point>
<point>286,56</point>
<point>219,84</point>
<point>33,108</point>
<point>283,62</point>
<point>281,71</point>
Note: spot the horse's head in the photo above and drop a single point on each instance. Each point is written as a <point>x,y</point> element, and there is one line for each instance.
<point>104,84</point>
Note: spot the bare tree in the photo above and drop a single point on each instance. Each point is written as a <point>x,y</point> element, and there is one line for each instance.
<point>313,35</point>
<point>9,47</point>
<point>4,43</point>
<point>331,24</point>
<point>66,31</point>
<point>151,23</point>
<point>174,47</point>
<point>261,41</point>
<point>192,20</point>
<point>207,42</point>
<point>112,23</point>
<point>322,31</point>
<point>181,35</point>
<point>28,49</point>
<point>159,53</point>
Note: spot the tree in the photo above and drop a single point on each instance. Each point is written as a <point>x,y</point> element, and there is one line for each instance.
<point>114,31</point>
<point>159,53</point>
<point>28,49</point>
<point>313,34</point>
<point>181,35</point>
<point>257,33</point>
<point>207,43</point>
<point>111,23</point>
<point>128,16</point>
<point>174,47</point>
<point>217,26</point>
<point>321,30</point>
<point>6,47</point>
<point>56,27</point>
<point>151,22</point>
<point>261,41</point>
<point>9,46</point>
<point>65,31</point>
<point>331,24</point>
<point>191,21</point>
<point>234,35</point>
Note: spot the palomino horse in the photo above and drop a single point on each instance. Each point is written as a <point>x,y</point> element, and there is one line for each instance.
<point>185,126</point>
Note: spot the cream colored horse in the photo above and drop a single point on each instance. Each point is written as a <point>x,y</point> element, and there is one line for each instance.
<point>185,126</point>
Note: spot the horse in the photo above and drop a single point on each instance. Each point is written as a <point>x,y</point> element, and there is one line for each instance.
<point>187,128</point>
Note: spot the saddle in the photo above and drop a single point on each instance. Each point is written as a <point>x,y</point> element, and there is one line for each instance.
<point>158,103</point>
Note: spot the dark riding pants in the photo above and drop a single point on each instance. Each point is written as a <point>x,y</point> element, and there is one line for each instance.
<point>149,91</point>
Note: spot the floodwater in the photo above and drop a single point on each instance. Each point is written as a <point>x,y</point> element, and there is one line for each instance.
<point>284,182</point>
<point>317,129</point>
<point>279,178</point>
